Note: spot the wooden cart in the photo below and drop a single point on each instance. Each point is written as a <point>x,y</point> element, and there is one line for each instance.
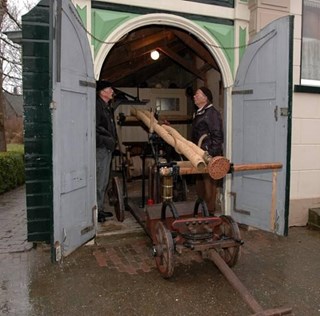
<point>179,227</point>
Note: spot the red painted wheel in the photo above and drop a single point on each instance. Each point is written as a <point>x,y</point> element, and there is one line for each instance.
<point>164,250</point>
<point>229,229</point>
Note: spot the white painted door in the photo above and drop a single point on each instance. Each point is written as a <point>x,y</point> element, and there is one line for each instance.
<point>73,124</point>
<point>261,128</point>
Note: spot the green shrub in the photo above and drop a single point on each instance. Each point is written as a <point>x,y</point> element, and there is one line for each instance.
<point>11,170</point>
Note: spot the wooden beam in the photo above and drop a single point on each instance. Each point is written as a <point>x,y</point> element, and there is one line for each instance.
<point>181,61</point>
<point>197,48</point>
<point>124,55</point>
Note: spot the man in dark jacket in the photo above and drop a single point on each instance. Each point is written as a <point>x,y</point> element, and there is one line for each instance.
<point>105,143</point>
<point>207,133</point>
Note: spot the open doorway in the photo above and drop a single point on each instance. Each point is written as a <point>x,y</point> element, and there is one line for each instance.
<point>165,85</point>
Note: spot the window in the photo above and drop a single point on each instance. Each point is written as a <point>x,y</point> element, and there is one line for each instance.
<point>310,53</point>
<point>167,104</point>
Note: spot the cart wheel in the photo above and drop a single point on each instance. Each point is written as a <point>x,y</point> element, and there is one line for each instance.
<point>164,251</point>
<point>229,229</point>
<point>117,199</point>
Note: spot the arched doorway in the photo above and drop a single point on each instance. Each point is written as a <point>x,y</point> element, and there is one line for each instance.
<point>121,49</point>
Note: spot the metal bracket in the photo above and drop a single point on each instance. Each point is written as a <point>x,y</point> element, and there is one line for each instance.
<point>275,112</point>
<point>53,105</point>
<point>284,111</point>
<point>84,83</point>
<point>234,194</point>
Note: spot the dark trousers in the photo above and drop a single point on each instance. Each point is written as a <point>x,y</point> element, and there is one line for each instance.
<point>103,165</point>
<point>206,189</point>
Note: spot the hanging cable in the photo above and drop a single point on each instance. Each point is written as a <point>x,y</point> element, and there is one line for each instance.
<point>272,32</point>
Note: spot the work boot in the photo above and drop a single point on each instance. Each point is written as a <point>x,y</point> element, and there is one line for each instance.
<point>103,216</point>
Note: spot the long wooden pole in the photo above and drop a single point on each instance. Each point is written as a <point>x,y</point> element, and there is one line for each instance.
<point>187,168</point>
<point>199,160</point>
<point>257,166</point>
<point>273,202</point>
<point>196,160</point>
<point>243,291</point>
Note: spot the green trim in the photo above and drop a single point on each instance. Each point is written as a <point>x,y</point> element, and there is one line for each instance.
<point>224,35</point>
<point>289,136</point>
<point>306,89</point>
<point>83,14</point>
<point>242,41</point>
<point>141,11</point>
<point>222,3</point>
<point>37,95</point>
<point>104,22</point>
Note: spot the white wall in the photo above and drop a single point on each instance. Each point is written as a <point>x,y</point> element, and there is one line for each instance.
<point>305,155</point>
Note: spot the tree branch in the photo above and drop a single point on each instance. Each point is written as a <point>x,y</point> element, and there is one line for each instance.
<point>13,19</point>
<point>11,77</point>
<point>10,61</point>
<point>16,46</point>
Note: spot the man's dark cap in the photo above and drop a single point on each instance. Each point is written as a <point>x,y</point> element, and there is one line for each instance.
<point>207,93</point>
<point>102,84</point>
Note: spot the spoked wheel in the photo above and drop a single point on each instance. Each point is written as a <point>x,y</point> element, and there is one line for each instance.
<point>229,230</point>
<point>116,198</point>
<point>164,251</point>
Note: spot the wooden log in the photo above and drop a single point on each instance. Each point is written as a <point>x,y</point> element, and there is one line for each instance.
<point>199,160</point>
<point>177,135</point>
<point>196,160</point>
<point>217,168</point>
<point>176,118</point>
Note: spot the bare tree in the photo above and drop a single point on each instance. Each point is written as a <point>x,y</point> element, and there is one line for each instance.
<point>10,55</point>
<point>3,144</point>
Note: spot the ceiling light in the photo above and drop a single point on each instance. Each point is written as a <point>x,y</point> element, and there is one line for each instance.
<point>154,55</point>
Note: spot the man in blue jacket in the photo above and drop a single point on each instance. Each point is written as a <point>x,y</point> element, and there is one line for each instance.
<point>105,143</point>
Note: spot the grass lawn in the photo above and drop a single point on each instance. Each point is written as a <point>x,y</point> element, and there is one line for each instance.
<point>15,147</point>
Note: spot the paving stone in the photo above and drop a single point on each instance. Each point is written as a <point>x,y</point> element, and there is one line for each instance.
<point>13,222</point>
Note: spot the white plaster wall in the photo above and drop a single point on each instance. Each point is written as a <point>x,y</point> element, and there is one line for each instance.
<point>305,149</point>
<point>305,157</point>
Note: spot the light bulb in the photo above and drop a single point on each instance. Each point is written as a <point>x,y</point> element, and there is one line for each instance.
<point>154,55</point>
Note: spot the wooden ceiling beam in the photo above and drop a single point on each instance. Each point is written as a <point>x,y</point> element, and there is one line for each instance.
<point>124,56</point>
<point>115,73</point>
<point>182,62</point>
<point>148,40</point>
<point>197,48</point>
<point>144,73</point>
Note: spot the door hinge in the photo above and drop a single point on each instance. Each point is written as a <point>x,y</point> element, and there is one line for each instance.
<point>235,209</point>
<point>87,230</point>
<point>58,251</point>
<point>247,91</point>
<point>284,111</point>
<point>53,105</point>
<point>84,83</point>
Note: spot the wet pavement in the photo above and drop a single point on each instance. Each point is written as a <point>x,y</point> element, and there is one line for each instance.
<point>116,274</point>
